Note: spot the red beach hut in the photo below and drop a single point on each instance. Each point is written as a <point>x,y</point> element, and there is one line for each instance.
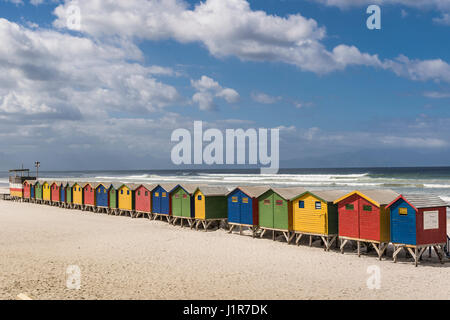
<point>55,192</point>
<point>143,200</point>
<point>89,196</point>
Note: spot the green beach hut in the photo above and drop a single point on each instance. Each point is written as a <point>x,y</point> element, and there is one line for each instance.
<point>113,197</point>
<point>183,204</point>
<point>275,211</point>
<point>38,192</point>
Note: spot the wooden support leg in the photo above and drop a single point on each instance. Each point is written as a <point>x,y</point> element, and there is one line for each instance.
<point>310,241</point>
<point>343,243</point>
<point>273,235</point>
<point>359,248</point>
<point>262,233</point>
<point>299,236</point>
<point>231,228</point>
<point>207,225</point>
<point>240,230</point>
<point>439,254</point>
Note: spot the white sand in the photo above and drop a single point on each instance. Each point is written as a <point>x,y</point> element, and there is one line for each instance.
<point>124,258</point>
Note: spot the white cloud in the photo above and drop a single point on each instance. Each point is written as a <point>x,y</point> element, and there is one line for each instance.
<point>436,94</point>
<point>208,89</point>
<point>443,19</point>
<point>47,72</point>
<point>264,98</point>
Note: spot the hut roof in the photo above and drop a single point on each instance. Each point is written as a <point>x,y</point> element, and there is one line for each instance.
<point>289,193</point>
<point>213,191</point>
<point>188,187</point>
<point>116,185</point>
<point>31,182</point>
<point>107,185</point>
<point>167,186</point>
<point>131,186</point>
<point>326,195</point>
<point>419,201</point>
<point>147,186</point>
<point>376,196</point>
<point>252,191</point>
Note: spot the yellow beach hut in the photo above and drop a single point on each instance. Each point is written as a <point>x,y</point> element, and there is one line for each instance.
<point>46,192</point>
<point>315,215</point>
<point>126,198</point>
<point>77,195</point>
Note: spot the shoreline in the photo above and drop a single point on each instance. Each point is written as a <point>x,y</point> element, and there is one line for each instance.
<point>123,258</point>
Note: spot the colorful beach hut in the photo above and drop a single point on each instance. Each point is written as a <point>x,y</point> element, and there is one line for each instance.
<point>126,198</point>
<point>161,200</point>
<point>418,222</point>
<point>77,195</point>
<point>69,194</point>
<point>315,215</point>
<point>89,196</point>
<point>210,206</point>
<point>364,218</point>
<point>275,211</point>
<point>46,192</point>
<point>32,184</point>
<point>38,191</point>
<point>62,193</point>
<point>143,200</point>
<point>55,193</point>
<point>183,204</point>
<point>114,198</point>
<point>102,197</point>
<point>243,207</point>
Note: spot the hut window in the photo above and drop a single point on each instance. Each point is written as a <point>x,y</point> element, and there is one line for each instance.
<point>199,198</point>
<point>104,191</point>
<point>244,200</point>
<point>267,202</point>
<point>403,211</point>
<point>164,194</point>
<point>349,207</point>
<point>156,194</point>
<point>177,196</point>
<point>128,192</point>
<point>121,191</point>
<point>367,208</point>
<point>234,199</point>
<point>139,193</point>
<point>184,196</point>
<point>318,205</point>
<point>279,202</point>
<point>301,204</point>
<point>146,193</point>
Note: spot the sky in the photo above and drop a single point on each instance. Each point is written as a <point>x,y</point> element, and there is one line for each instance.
<point>107,90</point>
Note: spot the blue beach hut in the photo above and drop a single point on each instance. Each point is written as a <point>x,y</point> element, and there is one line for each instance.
<point>243,206</point>
<point>102,196</point>
<point>161,200</point>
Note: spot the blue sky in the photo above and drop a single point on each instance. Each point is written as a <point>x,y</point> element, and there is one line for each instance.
<point>109,95</point>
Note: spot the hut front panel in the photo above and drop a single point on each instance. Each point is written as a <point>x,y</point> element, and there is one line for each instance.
<point>55,192</point>
<point>431,225</point>
<point>200,206</point>
<point>143,200</point>
<point>77,194</point>
<point>310,214</point>
<point>38,191</point>
<point>348,217</point>
<point>112,198</point>
<point>69,195</point>
<point>241,208</point>
<point>31,192</point>
<point>177,203</point>
<point>101,196</point>
<point>125,199</point>
<point>265,206</point>
<point>156,200</point>
<point>234,207</point>
<point>216,207</point>
<point>369,220</point>
<point>26,190</point>
<point>187,209</point>
<point>46,194</point>
<point>89,195</point>
<point>403,223</point>
<point>332,219</point>
<point>62,194</point>
<point>280,213</point>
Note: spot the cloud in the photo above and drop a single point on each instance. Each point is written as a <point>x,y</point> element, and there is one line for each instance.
<point>436,94</point>
<point>209,89</point>
<point>264,98</point>
<point>44,72</point>
<point>422,4</point>
<point>444,19</point>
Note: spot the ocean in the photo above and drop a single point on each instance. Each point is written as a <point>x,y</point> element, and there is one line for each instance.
<point>435,180</point>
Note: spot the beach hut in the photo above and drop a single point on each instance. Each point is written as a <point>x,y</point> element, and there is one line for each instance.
<point>364,218</point>
<point>38,191</point>
<point>210,206</point>
<point>46,192</point>
<point>69,195</point>
<point>89,196</point>
<point>55,193</point>
<point>243,207</point>
<point>126,199</point>
<point>114,198</point>
<point>315,215</point>
<point>32,190</point>
<point>182,204</point>
<point>77,195</point>
<point>102,197</point>
<point>275,211</point>
<point>143,200</point>
<point>62,194</point>
<point>26,190</point>
<point>161,200</point>
<point>418,222</point>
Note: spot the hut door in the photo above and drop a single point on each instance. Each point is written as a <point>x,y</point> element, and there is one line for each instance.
<point>164,202</point>
<point>369,220</point>
<point>349,217</point>
<point>246,209</point>
<point>156,201</point>
<point>185,204</point>
<point>234,208</point>
<point>280,216</point>
<point>266,210</point>
<point>199,205</point>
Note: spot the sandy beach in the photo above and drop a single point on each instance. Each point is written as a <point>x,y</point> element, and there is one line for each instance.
<point>124,258</point>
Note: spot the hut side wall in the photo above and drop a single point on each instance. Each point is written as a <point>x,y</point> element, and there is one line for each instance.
<point>216,207</point>
<point>428,234</point>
